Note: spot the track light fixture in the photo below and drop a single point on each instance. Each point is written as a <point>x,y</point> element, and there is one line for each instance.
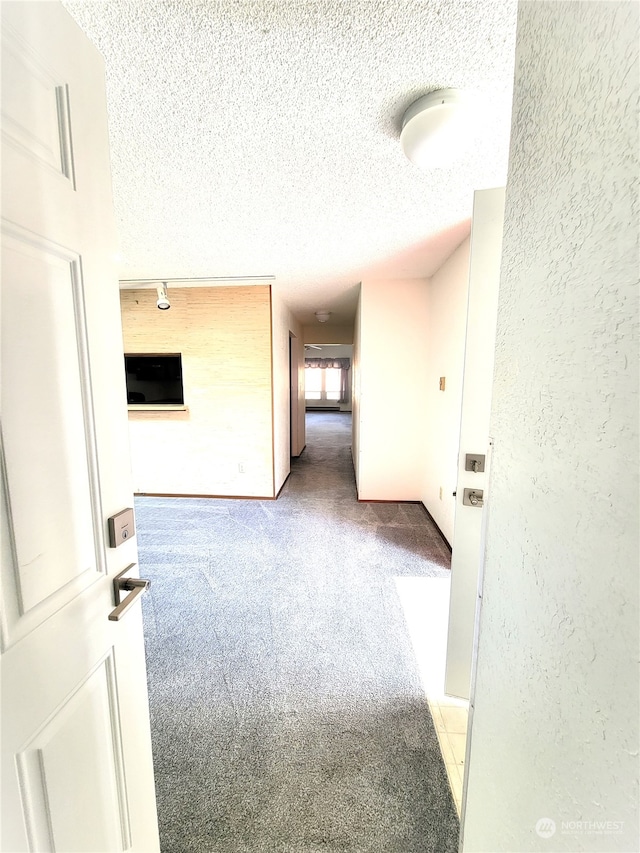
<point>163,300</point>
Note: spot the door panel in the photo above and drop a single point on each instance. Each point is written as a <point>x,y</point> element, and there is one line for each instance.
<point>482,312</point>
<point>54,794</point>
<point>76,751</point>
<point>47,427</point>
<point>35,109</point>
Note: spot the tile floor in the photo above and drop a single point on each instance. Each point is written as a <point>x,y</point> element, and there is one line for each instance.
<point>450,719</point>
<point>425,602</point>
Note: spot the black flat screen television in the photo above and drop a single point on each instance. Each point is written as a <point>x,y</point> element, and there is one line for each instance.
<point>154,379</point>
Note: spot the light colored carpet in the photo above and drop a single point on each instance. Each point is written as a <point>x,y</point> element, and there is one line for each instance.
<point>287,712</point>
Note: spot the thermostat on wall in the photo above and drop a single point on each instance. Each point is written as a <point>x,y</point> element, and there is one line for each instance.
<point>121,527</point>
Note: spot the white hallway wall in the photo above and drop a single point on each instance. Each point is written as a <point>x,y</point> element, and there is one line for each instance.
<point>445,333</point>
<point>555,722</point>
<point>407,335</point>
<point>390,354</point>
<point>356,386</point>
<point>288,414</point>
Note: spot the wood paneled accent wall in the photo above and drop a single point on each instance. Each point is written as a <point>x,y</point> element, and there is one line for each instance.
<point>223,443</point>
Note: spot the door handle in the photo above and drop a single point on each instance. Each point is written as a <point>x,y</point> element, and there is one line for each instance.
<point>473,497</point>
<point>134,586</point>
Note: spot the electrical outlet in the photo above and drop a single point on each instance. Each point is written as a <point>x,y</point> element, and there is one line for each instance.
<point>241,467</point>
<point>440,492</point>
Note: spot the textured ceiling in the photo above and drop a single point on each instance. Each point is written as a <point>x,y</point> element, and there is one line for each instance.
<point>262,138</point>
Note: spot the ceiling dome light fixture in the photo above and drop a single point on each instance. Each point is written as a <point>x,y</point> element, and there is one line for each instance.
<point>436,129</point>
<point>322,316</point>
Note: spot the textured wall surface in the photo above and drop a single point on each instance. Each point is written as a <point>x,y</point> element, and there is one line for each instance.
<point>224,335</point>
<point>555,726</point>
<point>445,333</point>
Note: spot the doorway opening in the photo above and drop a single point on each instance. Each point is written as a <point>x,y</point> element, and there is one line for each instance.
<point>328,377</point>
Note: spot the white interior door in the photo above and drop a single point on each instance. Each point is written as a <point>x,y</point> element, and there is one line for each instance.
<point>76,751</point>
<point>484,279</point>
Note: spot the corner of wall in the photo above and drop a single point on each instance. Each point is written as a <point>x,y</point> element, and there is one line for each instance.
<point>288,389</point>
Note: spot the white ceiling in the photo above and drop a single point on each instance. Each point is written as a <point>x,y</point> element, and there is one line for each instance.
<point>261,137</point>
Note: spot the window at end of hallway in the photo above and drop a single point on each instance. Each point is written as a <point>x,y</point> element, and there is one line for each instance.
<point>322,383</point>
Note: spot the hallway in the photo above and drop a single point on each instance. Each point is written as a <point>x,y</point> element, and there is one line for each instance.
<point>287,711</point>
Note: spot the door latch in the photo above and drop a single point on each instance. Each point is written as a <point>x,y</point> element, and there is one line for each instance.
<point>473,497</point>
